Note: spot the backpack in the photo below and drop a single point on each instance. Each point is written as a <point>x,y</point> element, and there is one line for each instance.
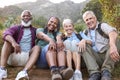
<point>77,35</point>
<point>99,31</point>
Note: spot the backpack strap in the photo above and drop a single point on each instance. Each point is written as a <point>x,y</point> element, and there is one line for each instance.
<point>101,32</point>
<point>79,36</point>
<point>85,31</point>
<point>63,36</point>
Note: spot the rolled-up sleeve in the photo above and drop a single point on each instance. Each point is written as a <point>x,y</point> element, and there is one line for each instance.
<point>10,31</point>
<point>107,28</point>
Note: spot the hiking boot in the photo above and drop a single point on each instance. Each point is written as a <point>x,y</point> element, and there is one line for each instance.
<point>95,76</point>
<point>66,73</point>
<point>56,74</point>
<point>22,75</point>
<point>77,76</point>
<point>3,73</point>
<point>106,75</point>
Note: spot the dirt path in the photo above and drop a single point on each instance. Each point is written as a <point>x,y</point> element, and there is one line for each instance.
<point>39,74</point>
<point>34,74</point>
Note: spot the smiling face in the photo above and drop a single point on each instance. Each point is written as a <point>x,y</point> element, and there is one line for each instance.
<point>52,24</point>
<point>68,26</point>
<point>26,18</point>
<point>90,20</point>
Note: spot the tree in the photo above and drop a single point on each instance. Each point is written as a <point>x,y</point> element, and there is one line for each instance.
<point>79,26</point>
<point>111,12</point>
<point>95,6</point>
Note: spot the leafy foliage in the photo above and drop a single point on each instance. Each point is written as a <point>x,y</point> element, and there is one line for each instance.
<point>95,6</point>
<point>106,10</point>
<point>1,26</point>
<point>10,21</point>
<point>111,12</point>
<point>39,22</point>
<point>80,26</point>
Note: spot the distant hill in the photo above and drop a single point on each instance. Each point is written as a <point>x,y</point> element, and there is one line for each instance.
<point>10,11</point>
<point>45,8</point>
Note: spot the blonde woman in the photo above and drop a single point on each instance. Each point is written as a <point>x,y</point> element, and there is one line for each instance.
<point>74,45</point>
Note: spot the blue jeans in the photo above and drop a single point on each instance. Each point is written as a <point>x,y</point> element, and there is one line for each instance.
<point>42,62</point>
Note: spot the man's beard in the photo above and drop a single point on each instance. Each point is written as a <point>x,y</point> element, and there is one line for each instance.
<point>26,24</point>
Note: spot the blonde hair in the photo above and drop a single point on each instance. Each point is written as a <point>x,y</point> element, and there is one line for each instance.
<point>65,21</point>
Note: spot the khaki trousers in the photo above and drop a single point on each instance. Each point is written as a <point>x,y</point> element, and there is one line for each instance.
<point>96,62</point>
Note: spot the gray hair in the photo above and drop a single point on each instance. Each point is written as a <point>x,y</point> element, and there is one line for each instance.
<point>88,12</point>
<point>67,21</point>
<point>24,12</point>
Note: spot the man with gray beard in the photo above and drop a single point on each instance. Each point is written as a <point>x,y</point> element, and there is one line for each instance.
<point>19,47</point>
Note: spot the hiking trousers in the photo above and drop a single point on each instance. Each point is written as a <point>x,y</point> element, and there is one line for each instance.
<point>97,62</point>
